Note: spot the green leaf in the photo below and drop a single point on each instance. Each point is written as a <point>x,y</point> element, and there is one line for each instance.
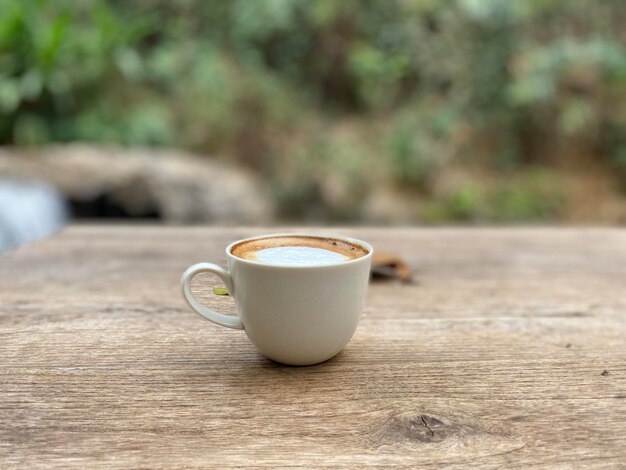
<point>220,291</point>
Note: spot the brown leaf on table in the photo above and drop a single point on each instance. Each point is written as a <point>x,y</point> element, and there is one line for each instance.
<point>390,266</point>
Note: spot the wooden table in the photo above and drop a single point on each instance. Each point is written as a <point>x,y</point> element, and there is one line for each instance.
<point>509,351</point>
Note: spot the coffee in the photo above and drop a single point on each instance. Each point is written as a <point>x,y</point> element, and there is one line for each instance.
<point>298,250</point>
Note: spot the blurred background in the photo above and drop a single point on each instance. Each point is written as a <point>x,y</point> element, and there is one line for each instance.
<point>311,111</point>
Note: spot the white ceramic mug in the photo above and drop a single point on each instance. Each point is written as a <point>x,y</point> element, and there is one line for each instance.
<point>298,315</point>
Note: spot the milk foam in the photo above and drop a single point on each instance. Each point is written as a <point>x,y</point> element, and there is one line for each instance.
<point>298,256</point>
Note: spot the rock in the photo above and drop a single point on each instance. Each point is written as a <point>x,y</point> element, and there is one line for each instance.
<point>178,187</point>
<point>385,205</point>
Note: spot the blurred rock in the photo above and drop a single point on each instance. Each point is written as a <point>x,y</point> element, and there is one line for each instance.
<point>28,211</point>
<point>385,205</point>
<point>178,187</point>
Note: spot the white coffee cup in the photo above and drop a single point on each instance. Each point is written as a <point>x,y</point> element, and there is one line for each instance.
<point>297,315</point>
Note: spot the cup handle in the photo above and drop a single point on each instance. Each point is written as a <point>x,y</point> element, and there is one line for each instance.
<point>228,321</point>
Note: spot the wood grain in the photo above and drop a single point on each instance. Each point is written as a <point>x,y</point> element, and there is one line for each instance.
<point>509,351</point>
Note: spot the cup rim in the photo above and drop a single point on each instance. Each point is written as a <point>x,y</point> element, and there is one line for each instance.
<point>355,241</point>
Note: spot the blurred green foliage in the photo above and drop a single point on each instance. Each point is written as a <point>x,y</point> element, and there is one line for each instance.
<point>533,197</point>
<point>325,98</point>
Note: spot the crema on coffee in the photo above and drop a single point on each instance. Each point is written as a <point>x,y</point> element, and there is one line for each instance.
<point>298,250</point>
